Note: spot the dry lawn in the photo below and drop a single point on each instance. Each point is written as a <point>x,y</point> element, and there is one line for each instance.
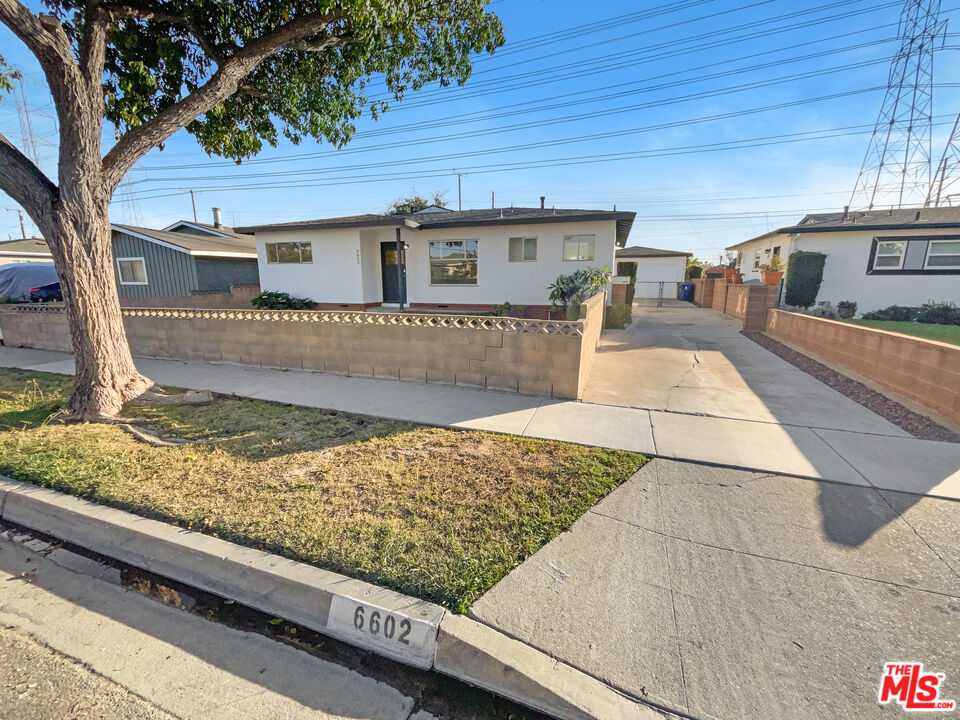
<point>440,514</point>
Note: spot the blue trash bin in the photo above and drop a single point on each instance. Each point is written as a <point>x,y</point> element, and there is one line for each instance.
<point>685,292</point>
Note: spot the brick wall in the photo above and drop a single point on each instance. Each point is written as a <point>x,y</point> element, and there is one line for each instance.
<point>720,289</point>
<point>924,371</point>
<point>527,356</point>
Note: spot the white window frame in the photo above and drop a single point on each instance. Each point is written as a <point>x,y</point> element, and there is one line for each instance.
<point>523,246</point>
<point>877,255</point>
<point>430,262</point>
<point>930,244</point>
<point>757,259</point>
<point>298,243</point>
<point>579,258</point>
<point>146,279</point>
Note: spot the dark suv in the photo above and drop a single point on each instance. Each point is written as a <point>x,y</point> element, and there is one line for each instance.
<point>46,293</point>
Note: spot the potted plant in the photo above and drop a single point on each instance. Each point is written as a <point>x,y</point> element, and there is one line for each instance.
<point>772,272</point>
<point>846,309</point>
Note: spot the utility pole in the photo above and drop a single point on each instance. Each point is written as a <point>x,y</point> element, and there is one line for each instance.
<point>23,227</point>
<point>194,203</point>
<point>459,188</point>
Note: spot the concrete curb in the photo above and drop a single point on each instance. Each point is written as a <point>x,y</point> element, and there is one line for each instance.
<point>391,624</point>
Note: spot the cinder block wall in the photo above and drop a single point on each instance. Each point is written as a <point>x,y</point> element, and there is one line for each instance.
<point>591,314</point>
<point>238,298</point>
<point>926,371</point>
<point>545,361</point>
<point>750,303</point>
<point>720,288</point>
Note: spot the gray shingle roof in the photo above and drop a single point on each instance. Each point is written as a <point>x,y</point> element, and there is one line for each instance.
<point>28,245</point>
<point>638,251</point>
<point>196,244</point>
<point>895,219</point>
<point>459,218</point>
<point>208,226</point>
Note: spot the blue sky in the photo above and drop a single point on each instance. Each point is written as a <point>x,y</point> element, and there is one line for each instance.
<point>590,104</point>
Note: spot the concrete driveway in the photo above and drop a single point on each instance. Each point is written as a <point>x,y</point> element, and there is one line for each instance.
<point>684,359</point>
<point>722,593</point>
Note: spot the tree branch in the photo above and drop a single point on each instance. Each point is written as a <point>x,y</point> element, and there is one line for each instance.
<point>224,82</point>
<point>24,182</point>
<point>149,11</point>
<point>44,36</point>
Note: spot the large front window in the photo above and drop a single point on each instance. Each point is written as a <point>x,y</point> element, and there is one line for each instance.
<point>453,262</point>
<point>289,252</point>
<point>943,255</point>
<point>579,247</point>
<point>889,255</point>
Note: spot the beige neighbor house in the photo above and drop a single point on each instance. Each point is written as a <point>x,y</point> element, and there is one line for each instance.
<point>875,258</point>
<point>25,250</point>
<point>437,259</point>
<point>655,266</point>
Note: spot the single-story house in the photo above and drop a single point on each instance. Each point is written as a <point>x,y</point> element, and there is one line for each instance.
<point>24,250</point>
<point>447,260</point>
<point>159,263</point>
<point>655,266</point>
<point>875,258</point>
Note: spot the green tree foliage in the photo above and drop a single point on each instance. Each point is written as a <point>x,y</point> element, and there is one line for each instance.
<point>694,268</point>
<point>415,203</point>
<point>804,275</point>
<point>629,269</point>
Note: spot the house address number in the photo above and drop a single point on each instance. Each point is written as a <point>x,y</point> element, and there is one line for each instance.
<point>389,633</point>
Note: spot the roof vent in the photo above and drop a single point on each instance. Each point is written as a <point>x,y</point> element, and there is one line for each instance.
<point>501,213</point>
<point>543,200</point>
<point>917,218</point>
<point>846,213</point>
<point>217,222</point>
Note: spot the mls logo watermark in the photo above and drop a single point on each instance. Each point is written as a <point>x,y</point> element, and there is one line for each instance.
<point>915,690</point>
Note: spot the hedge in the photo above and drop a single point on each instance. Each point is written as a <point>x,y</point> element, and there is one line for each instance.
<point>804,275</point>
<point>629,269</point>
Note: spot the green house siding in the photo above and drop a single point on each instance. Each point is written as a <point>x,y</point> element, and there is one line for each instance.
<point>220,273</point>
<point>169,272</point>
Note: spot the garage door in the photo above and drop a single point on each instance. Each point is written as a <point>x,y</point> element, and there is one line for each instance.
<point>652,271</point>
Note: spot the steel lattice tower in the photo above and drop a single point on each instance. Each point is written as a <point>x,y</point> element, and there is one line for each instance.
<point>897,168</point>
<point>945,187</point>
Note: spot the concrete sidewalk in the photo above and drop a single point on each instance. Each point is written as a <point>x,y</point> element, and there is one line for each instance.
<point>729,594</point>
<point>891,461</point>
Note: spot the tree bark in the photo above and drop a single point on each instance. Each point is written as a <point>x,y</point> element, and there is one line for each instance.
<point>106,377</point>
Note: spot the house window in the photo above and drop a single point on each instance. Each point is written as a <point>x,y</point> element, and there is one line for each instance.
<point>776,251</point>
<point>578,247</point>
<point>453,262</point>
<point>756,259</point>
<point>289,252</point>
<point>943,255</point>
<point>889,255</point>
<point>523,249</point>
<point>133,271</point>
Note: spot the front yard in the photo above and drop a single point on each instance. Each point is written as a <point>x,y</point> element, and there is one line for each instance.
<point>439,514</point>
<point>928,331</point>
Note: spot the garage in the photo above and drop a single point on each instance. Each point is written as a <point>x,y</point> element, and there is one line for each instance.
<point>655,266</point>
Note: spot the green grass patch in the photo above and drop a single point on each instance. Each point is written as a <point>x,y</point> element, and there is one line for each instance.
<point>928,331</point>
<point>439,514</point>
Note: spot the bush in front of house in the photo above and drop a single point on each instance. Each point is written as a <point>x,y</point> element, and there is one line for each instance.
<point>619,316</point>
<point>846,309</point>
<point>893,313</point>
<point>567,292</point>
<point>804,275</point>
<point>630,270</point>
<point>942,313</point>
<point>269,300</point>
<point>508,309</point>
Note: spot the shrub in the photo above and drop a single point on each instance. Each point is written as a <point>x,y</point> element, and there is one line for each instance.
<point>568,291</point>
<point>268,300</point>
<point>942,313</point>
<point>694,271</point>
<point>846,309</point>
<point>619,316</point>
<point>775,264</point>
<point>804,275</point>
<point>508,309</point>
<point>896,313</point>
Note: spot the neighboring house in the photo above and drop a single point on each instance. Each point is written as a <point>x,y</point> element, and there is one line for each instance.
<point>876,258</point>
<point>450,260</point>
<point>26,250</point>
<point>656,266</point>
<point>159,263</point>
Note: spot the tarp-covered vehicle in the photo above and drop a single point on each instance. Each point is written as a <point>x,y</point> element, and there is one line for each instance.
<point>17,279</point>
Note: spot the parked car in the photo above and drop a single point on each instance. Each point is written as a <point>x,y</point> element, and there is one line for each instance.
<point>18,280</point>
<point>46,293</point>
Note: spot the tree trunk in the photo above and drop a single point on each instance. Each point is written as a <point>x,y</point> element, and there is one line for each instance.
<point>80,241</point>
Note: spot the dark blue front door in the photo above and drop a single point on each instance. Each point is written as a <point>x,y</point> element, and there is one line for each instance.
<point>393,283</point>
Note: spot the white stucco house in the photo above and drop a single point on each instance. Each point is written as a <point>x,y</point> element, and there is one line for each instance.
<point>448,260</point>
<point>655,266</point>
<point>875,258</point>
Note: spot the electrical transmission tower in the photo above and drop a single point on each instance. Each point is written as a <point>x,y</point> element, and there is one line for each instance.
<point>897,168</point>
<point>947,176</point>
<point>26,128</point>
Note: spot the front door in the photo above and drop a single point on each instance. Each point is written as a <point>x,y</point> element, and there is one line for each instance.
<point>393,283</point>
